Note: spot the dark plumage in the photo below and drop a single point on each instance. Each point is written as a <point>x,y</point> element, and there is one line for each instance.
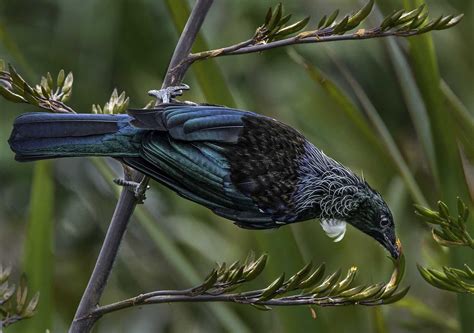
<point>248,168</point>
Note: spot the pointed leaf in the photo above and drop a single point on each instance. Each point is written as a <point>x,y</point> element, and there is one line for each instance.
<point>451,23</point>
<point>327,283</point>
<point>314,278</point>
<point>295,27</point>
<point>331,18</point>
<point>270,291</point>
<point>322,22</point>
<point>360,15</point>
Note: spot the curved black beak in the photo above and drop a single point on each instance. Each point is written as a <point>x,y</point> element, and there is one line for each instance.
<point>392,244</point>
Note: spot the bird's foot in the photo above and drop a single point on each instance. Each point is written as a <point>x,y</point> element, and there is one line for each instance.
<point>166,95</point>
<point>138,189</point>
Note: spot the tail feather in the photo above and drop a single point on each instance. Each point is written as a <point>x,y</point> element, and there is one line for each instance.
<point>48,135</point>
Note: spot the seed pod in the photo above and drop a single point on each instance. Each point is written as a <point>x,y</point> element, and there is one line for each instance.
<point>396,297</point>
<point>430,25</point>
<point>327,284</point>
<point>340,28</point>
<point>272,289</point>
<point>321,22</point>
<point>295,27</point>
<point>360,15</point>
<point>30,309</point>
<point>344,283</point>
<point>294,281</point>
<point>367,293</point>
<point>313,278</point>
<point>452,22</point>
<point>331,18</point>
<point>351,292</point>
<point>257,267</point>
<point>408,16</point>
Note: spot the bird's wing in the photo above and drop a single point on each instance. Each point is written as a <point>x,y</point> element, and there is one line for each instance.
<point>192,122</point>
<point>198,172</point>
<point>241,165</point>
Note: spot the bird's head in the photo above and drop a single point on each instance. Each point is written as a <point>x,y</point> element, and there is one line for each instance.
<point>374,218</point>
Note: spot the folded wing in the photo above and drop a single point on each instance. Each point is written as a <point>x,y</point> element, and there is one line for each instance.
<point>187,150</point>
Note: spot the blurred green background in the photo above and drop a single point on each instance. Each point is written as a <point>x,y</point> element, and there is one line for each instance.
<point>52,226</point>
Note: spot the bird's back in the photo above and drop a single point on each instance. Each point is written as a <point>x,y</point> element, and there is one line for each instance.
<point>242,165</point>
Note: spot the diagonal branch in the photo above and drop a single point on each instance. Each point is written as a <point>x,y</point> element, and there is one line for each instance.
<point>183,48</point>
<point>128,200</point>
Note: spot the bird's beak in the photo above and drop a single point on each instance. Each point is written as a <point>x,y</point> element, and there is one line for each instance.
<point>393,246</point>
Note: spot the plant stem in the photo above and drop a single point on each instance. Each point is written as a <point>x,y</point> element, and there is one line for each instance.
<point>108,252</point>
<point>83,322</point>
<point>175,296</point>
<point>183,48</point>
<point>247,46</point>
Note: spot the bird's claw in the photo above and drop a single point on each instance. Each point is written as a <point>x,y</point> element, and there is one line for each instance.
<point>138,189</point>
<point>166,95</point>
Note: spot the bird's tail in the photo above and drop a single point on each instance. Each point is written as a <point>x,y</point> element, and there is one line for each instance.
<point>42,135</point>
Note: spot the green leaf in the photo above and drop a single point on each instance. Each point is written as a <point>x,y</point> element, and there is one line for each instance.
<point>397,296</point>
<point>271,290</point>
<point>426,212</point>
<point>322,22</point>
<point>340,27</point>
<point>351,292</point>
<point>430,25</point>
<point>408,16</point>
<point>327,283</point>
<point>284,20</point>
<point>295,280</point>
<point>344,283</point>
<point>295,27</point>
<point>12,97</point>
<point>385,136</point>
<point>443,210</point>
<point>464,121</point>
<point>39,259</point>
<point>367,293</point>
<point>60,79</point>
<point>268,17</point>
<point>450,179</point>
<point>389,21</point>
<point>314,278</point>
<point>331,18</point>
<point>451,22</point>
<point>418,21</point>
<point>49,80</point>
<point>395,17</point>
<point>424,313</point>
<point>256,268</point>
<point>276,17</point>
<point>339,97</point>
<point>413,100</point>
<point>360,15</point>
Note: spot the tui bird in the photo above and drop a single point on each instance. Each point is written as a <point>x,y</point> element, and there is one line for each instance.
<point>246,167</point>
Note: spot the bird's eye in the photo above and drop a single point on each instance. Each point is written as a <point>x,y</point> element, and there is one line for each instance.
<point>384,221</point>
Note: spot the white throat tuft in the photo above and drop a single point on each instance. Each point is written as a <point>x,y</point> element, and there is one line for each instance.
<point>334,228</point>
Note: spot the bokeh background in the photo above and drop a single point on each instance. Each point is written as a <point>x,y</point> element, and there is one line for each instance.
<point>53,215</point>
